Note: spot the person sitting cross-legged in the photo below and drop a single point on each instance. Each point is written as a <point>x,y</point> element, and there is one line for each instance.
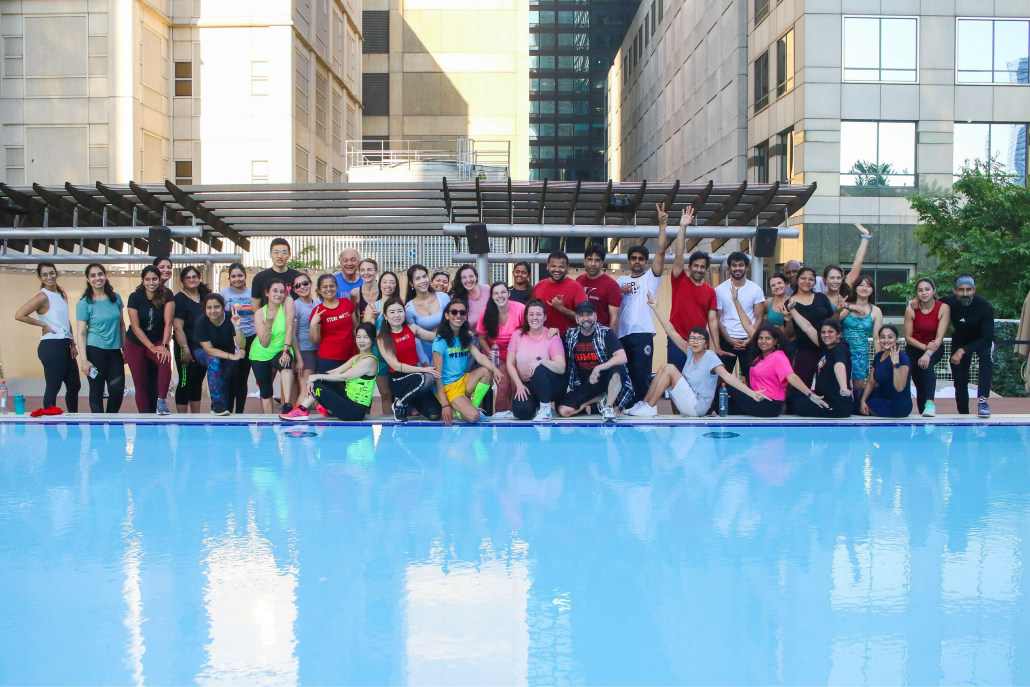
<point>596,365</point>
<point>691,388</point>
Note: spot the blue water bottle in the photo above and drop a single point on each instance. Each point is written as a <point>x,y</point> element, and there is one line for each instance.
<point>724,400</point>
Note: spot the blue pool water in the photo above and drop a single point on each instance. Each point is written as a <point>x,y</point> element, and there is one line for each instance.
<point>166,554</point>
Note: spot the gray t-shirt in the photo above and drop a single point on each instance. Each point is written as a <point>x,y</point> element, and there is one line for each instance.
<point>304,311</point>
<point>701,379</point>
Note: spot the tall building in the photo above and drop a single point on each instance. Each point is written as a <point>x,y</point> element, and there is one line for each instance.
<point>571,46</point>
<point>198,92</point>
<point>440,71</point>
<point>873,107</point>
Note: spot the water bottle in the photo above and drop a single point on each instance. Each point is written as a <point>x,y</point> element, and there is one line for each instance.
<point>495,355</point>
<point>3,397</point>
<point>724,400</point>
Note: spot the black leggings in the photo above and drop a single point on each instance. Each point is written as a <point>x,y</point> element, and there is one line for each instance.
<point>925,381</point>
<point>191,380</point>
<point>416,389</point>
<point>544,387</point>
<point>333,397</point>
<point>840,406</point>
<point>239,383</point>
<point>110,365</point>
<point>264,373</point>
<point>59,368</point>
<point>742,404</point>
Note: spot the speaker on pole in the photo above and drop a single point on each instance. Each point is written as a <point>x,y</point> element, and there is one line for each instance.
<point>478,242</point>
<point>160,242</point>
<point>765,242</point>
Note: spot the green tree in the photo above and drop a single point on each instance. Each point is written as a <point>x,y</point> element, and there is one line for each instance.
<point>304,259</point>
<point>984,229</point>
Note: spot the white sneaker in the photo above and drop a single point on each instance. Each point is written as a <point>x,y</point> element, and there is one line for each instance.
<point>503,415</point>
<point>543,413</point>
<point>641,409</point>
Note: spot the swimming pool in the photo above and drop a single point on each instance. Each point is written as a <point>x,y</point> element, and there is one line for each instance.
<point>174,554</point>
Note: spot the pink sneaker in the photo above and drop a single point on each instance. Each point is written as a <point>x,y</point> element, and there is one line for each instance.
<point>321,409</point>
<point>298,414</point>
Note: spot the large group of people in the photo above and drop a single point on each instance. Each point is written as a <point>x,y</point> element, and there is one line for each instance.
<point>455,349</point>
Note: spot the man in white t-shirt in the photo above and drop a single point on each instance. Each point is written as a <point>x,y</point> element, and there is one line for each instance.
<point>738,298</point>
<point>636,321</point>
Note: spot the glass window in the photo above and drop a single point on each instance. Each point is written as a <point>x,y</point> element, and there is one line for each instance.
<point>877,153</point>
<point>785,63</point>
<point>881,49</point>
<point>762,82</point>
<point>993,51</point>
<point>1005,143</point>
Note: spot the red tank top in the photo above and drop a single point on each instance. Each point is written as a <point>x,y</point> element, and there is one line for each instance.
<point>924,325</point>
<point>404,345</point>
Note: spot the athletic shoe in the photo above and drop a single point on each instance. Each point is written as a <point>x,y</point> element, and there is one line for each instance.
<point>641,409</point>
<point>543,413</point>
<point>929,410</point>
<point>981,408</point>
<point>400,412</point>
<point>219,410</point>
<point>608,414</point>
<point>503,415</point>
<point>162,407</point>
<point>321,409</point>
<point>298,414</point>
<point>285,409</point>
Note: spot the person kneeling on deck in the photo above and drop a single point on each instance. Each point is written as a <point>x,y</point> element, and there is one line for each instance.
<point>460,392</point>
<point>346,391</point>
<point>693,388</point>
<point>596,365</point>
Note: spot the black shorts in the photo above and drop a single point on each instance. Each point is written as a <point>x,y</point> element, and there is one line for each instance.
<point>577,397</point>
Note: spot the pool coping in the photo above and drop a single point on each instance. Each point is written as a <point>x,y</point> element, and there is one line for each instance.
<point>956,420</point>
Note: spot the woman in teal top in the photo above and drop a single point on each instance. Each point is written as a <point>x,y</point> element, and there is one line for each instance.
<point>346,392</point>
<point>100,332</point>
<point>271,351</point>
<point>859,321</point>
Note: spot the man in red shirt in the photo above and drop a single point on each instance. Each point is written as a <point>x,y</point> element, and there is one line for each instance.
<point>560,294</point>
<point>601,290</point>
<point>693,301</point>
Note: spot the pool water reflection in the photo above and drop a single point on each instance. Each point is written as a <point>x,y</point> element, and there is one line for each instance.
<point>174,554</point>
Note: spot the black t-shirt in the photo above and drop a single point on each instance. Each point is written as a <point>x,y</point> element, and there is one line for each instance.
<point>973,323</point>
<point>187,310</point>
<point>826,384</point>
<point>585,353</point>
<point>819,310</point>
<point>520,295</point>
<point>261,279</point>
<point>151,319</point>
<point>220,336</point>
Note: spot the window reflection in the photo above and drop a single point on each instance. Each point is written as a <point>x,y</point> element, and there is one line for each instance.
<point>878,153</point>
<point>881,49</point>
<point>993,51</point>
<point>1005,143</point>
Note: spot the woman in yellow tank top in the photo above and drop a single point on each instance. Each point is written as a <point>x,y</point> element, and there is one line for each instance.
<point>346,392</point>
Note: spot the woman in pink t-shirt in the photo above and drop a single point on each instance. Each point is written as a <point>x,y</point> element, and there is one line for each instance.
<point>499,321</point>
<point>536,365</point>
<point>770,374</point>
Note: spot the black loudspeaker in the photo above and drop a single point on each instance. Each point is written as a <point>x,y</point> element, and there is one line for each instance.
<point>160,241</point>
<point>765,242</point>
<point>478,243</point>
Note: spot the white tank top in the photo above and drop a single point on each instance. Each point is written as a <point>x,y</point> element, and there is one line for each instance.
<point>56,316</point>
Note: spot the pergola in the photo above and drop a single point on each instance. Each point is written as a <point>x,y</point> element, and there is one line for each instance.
<point>112,221</point>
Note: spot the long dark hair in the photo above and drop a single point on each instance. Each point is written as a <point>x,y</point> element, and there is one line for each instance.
<point>853,296</point>
<point>202,289</point>
<point>779,339</point>
<point>39,269</point>
<point>385,337</point>
<point>162,295</point>
<point>458,289</point>
<point>108,289</point>
<point>492,314</point>
<point>531,303</point>
<point>464,333</point>
<point>410,293</point>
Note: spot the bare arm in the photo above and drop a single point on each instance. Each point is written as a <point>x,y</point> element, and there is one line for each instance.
<point>856,266</point>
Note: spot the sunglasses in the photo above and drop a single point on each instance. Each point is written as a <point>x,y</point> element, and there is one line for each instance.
<point>301,284</point>
<point>452,311</point>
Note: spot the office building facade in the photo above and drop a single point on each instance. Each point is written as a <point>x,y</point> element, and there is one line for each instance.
<point>212,92</point>
<point>873,101</point>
